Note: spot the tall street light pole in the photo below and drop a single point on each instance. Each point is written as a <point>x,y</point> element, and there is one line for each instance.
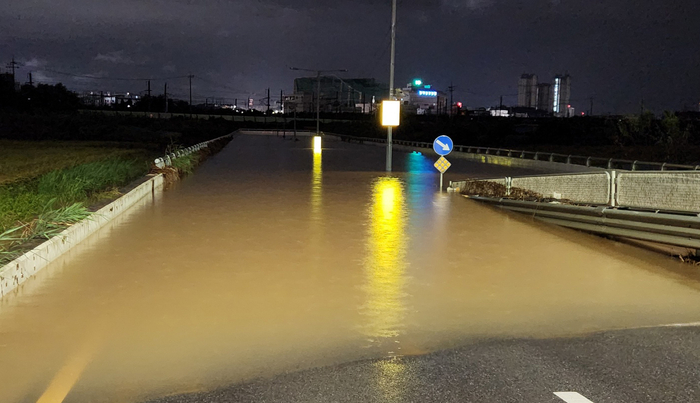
<point>391,82</point>
<point>318,92</point>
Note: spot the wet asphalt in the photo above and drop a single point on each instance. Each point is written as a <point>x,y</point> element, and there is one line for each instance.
<point>641,365</point>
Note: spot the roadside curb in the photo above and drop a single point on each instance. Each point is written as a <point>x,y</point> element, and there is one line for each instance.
<point>21,269</point>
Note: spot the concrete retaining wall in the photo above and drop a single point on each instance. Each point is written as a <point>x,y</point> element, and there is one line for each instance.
<point>665,191</point>
<point>19,270</point>
<point>675,191</point>
<point>588,188</point>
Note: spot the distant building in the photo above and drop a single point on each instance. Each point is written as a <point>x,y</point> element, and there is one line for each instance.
<point>500,111</point>
<point>527,91</point>
<point>544,97</point>
<point>421,99</point>
<point>337,94</point>
<point>561,95</point>
<point>102,98</point>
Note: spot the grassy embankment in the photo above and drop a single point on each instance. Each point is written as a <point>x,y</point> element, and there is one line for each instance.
<point>46,186</point>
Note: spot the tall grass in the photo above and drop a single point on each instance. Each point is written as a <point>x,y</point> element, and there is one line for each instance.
<point>79,183</point>
<point>43,207</point>
<point>21,202</point>
<point>48,224</point>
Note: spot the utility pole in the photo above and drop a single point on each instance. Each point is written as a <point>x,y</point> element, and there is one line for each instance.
<point>31,82</point>
<point>391,82</point>
<point>165,95</point>
<point>268,101</point>
<point>590,113</point>
<point>452,102</point>
<point>190,76</point>
<point>13,65</point>
<point>149,96</point>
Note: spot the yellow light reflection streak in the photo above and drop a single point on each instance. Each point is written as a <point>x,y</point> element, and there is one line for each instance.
<point>385,264</point>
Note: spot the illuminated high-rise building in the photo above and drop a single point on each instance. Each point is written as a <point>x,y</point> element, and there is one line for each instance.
<point>527,91</point>
<point>561,94</point>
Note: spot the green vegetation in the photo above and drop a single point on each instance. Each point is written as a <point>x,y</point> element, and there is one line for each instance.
<point>42,207</point>
<point>49,223</point>
<point>22,160</point>
<point>54,167</point>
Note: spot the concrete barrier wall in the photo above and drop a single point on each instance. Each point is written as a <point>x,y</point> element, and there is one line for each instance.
<point>513,162</point>
<point>19,270</point>
<point>588,188</point>
<point>674,191</point>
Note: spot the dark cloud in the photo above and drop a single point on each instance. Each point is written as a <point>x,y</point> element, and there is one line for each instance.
<point>617,52</point>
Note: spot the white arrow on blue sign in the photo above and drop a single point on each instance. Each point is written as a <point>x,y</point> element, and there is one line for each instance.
<point>443,145</point>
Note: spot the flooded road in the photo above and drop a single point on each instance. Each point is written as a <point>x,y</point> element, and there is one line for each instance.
<point>273,257</point>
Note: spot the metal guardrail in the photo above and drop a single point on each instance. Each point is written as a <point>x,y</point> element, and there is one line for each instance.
<point>167,160</point>
<point>665,228</point>
<point>596,162</point>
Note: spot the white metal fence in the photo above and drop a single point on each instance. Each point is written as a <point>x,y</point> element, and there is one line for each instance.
<point>167,160</point>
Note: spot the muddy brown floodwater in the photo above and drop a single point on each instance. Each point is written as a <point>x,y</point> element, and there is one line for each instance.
<point>273,258</point>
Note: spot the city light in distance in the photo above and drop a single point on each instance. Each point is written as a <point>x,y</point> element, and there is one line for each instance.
<point>424,93</point>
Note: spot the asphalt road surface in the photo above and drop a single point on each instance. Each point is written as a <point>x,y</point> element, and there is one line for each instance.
<point>659,364</point>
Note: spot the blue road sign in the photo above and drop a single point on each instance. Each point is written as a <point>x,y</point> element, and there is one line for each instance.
<point>443,145</point>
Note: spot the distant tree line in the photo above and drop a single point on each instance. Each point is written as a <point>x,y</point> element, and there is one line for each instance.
<point>36,98</point>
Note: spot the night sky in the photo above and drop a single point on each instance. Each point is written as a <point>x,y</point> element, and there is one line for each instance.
<point>617,51</point>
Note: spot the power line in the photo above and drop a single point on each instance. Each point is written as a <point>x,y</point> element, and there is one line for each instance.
<point>110,78</point>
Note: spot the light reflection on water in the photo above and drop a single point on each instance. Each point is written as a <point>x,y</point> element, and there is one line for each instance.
<point>385,265</point>
<point>259,265</point>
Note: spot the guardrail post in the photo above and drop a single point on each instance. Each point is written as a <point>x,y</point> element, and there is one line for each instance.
<point>610,163</point>
<point>551,157</point>
<point>663,166</point>
<point>568,159</point>
<point>634,165</point>
<point>536,155</point>
<point>613,188</point>
<point>522,154</point>
<point>588,161</point>
<point>510,154</point>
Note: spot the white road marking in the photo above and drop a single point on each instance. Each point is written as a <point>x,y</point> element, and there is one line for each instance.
<point>572,397</point>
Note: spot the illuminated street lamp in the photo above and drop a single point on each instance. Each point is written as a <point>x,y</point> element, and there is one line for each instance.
<point>318,92</point>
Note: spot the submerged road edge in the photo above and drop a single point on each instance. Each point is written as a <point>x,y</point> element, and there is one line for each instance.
<point>21,269</point>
